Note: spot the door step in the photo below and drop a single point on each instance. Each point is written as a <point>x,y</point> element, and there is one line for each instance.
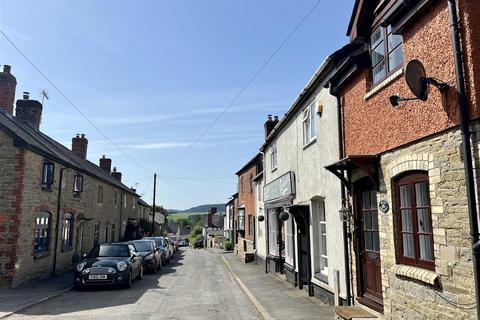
<point>353,312</point>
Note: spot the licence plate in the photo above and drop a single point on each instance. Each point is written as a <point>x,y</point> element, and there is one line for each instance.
<point>97,277</point>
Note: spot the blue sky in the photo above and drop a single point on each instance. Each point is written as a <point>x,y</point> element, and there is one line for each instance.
<point>153,75</point>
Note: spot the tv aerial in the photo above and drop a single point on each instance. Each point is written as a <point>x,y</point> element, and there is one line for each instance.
<point>418,83</point>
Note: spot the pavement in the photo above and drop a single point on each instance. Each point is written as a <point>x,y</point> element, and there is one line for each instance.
<point>33,292</point>
<point>273,297</point>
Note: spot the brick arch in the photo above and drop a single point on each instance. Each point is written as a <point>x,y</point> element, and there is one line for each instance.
<point>414,162</point>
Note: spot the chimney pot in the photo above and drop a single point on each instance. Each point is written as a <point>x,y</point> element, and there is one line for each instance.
<point>117,175</point>
<point>6,68</point>
<point>26,95</point>
<point>269,125</point>
<point>275,118</point>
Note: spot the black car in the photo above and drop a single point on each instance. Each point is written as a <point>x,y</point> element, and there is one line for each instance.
<point>151,255</point>
<point>160,242</point>
<point>109,264</point>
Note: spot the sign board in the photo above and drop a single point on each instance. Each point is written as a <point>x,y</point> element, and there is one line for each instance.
<point>281,187</point>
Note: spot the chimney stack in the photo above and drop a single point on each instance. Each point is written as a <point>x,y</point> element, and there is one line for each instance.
<point>105,164</point>
<point>269,125</point>
<point>79,145</point>
<point>8,83</point>
<point>29,111</point>
<point>117,175</point>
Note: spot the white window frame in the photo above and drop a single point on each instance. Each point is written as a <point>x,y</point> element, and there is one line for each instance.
<point>309,123</point>
<point>322,237</point>
<point>273,247</point>
<point>289,241</point>
<point>273,156</point>
<point>78,183</point>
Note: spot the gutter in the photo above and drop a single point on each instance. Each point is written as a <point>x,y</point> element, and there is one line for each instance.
<point>466,147</point>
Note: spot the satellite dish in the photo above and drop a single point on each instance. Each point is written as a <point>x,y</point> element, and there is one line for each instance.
<point>415,77</point>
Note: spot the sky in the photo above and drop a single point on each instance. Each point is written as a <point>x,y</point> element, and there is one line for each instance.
<point>153,75</point>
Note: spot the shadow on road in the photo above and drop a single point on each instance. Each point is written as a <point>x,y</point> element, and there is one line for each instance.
<point>106,297</point>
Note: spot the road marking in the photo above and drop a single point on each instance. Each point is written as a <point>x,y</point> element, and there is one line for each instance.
<point>249,294</point>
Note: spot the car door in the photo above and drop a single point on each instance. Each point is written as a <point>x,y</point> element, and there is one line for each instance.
<point>134,259</point>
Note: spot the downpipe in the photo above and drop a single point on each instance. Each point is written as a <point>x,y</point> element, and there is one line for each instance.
<point>57,220</point>
<point>466,147</point>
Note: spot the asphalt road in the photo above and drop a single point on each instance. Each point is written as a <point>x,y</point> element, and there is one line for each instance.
<point>194,285</point>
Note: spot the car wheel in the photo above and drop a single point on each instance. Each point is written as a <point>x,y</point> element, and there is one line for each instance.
<point>140,274</point>
<point>128,284</point>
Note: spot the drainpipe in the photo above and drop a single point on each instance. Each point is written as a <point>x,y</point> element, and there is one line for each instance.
<point>349,297</point>
<point>57,222</point>
<point>466,147</point>
<point>122,235</point>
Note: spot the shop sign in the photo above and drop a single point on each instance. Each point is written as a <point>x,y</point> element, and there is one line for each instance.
<point>281,187</point>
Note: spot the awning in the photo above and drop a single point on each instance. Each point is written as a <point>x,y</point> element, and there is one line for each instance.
<point>365,163</point>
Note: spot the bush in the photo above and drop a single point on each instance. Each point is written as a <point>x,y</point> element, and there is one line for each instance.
<point>197,231</point>
<point>227,245</point>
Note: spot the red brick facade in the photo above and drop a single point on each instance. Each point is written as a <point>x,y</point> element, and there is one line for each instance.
<point>246,198</point>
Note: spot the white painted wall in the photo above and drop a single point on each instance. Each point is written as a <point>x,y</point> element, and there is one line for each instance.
<point>312,180</point>
<point>260,243</point>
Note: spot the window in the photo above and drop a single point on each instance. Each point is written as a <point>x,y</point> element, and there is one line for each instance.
<point>96,234</point>
<point>42,233</point>
<point>47,175</point>
<point>106,233</point>
<point>309,124</point>
<point>67,236</point>
<point>115,199</point>
<point>250,225</point>
<point>386,53</point>
<point>113,232</point>
<point>273,247</point>
<point>242,185</point>
<point>289,241</point>
<point>241,219</point>
<point>124,200</point>
<point>414,221</point>
<point>77,184</point>
<point>273,156</point>
<point>251,183</point>
<point>133,202</point>
<point>319,207</point>
<point>100,195</point>
<point>259,190</point>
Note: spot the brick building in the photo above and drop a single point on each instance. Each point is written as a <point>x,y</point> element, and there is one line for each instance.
<point>245,213</point>
<point>54,203</point>
<point>403,164</point>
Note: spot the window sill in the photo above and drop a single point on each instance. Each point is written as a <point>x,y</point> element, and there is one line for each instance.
<point>77,194</point>
<point>322,277</point>
<point>419,274</point>
<point>47,188</point>
<point>310,143</point>
<point>41,255</point>
<point>378,87</point>
<point>274,169</point>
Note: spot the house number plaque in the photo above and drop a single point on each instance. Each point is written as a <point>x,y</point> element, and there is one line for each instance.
<point>384,206</point>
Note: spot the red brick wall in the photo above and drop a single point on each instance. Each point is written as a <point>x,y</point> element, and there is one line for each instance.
<point>248,198</point>
<point>372,125</point>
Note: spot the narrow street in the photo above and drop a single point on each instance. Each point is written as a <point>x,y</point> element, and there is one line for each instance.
<point>194,285</point>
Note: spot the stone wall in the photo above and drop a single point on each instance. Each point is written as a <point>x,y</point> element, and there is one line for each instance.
<point>414,293</point>
<point>23,198</point>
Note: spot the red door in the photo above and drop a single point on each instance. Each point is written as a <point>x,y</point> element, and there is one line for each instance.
<point>368,244</point>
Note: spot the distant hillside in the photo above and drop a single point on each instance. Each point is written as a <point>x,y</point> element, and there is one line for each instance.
<point>205,207</point>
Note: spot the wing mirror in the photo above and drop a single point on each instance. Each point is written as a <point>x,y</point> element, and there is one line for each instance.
<point>84,256</point>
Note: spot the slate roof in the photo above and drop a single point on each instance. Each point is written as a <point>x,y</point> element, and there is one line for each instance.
<point>28,137</point>
<point>143,203</point>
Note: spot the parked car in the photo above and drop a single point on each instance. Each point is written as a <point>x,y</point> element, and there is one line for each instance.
<point>164,248</point>
<point>109,264</point>
<point>198,243</point>
<point>183,243</point>
<point>172,245</point>
<point>151,255</point>
<point>175,243</point>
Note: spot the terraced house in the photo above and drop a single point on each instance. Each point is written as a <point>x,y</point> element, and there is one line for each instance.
<point>405,162</point>
<point>54,203</point>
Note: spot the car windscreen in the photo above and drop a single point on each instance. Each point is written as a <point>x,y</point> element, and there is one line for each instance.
<point>110,251</point>
<point>143,245</point>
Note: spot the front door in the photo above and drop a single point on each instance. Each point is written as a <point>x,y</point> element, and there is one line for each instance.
<point>368,249</point>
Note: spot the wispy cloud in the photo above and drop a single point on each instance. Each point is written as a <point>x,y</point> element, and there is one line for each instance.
<point>159,145</point>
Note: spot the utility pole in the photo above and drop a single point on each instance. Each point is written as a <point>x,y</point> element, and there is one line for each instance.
<point>153,205</point>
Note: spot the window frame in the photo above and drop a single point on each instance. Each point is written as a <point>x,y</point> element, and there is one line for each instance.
<point>309,123</point>
<point>411,179</point>
<point>77,177</point>
<point>386,33</point>
<point>48,177</point>
<point>100,195</point>
<point>67,235</point>
<point>251,183</point>
<point>39,228</point>
<point>273,156</point>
